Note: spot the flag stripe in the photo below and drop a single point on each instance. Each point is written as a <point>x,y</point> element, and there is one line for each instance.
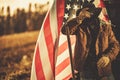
<point>33,72</point>
<point>104,16</point>
<point>62,39</point>
<point>60,13</point>
<point>62,66</point>
<point>63,46</point>
<point>38,66</point>
<point>53,22</point>
<point>46,41</point>
<point>65,72</point>
<point>39,71</point>
<point>44,56</point>
<point>64,55</point>
<point>68,77</point>
<point>101,4</point>
<point>49,41</point>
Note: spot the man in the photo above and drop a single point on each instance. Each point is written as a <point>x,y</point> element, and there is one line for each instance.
<point>114,15</point>
<point>96,46</point>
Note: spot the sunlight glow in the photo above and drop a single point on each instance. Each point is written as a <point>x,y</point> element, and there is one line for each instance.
<point>14,4</point>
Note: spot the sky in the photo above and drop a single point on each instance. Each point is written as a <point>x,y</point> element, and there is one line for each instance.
<point>19,3</point>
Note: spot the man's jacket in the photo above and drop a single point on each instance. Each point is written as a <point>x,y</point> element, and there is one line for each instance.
<point>106,45</point>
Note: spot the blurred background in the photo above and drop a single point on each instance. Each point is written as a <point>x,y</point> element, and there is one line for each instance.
<point>20,23</point>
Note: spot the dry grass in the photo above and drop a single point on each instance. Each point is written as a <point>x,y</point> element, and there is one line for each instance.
<point>18,40</point>
<point>16,53</point>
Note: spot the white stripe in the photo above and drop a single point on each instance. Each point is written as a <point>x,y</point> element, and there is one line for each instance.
<point>45,58</point>
<point>64,73</point>
<point>63,56</point>
<point>40,37</point>
<point>63,38</point>
<point>33,71</point>
<point>101,16</point>
<point>54,27</point>
<point>53,22</point>
<point>96,2</point>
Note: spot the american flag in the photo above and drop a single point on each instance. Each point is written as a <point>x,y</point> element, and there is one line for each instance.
<point>63,67</point>
<point>43,66</point>
<point>51,56</point>
<point>104,16</point>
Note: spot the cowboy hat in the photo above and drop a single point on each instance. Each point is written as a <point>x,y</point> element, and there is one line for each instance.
<point>91,8</point>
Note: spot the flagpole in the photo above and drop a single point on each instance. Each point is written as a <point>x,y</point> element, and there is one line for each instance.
<point>69,46</point>
<point>70,52</point>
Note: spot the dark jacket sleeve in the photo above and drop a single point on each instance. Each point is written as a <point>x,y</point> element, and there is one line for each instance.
<point>72,26</point>
<point>114,47</point>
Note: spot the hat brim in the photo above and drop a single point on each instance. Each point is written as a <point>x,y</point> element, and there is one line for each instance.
<point>94,11</point>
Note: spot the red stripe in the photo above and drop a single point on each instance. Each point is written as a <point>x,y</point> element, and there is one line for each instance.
<point>68,77</point>
<point>106,17</point>
<point>49,41</point>
<point>64,46</point>
<point>60,13</point>
<point>62,66</point>
<point>38,65</point>
<point>101,4</point>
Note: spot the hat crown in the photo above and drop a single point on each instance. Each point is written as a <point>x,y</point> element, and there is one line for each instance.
<point>87,4</point>
<point>92,8</point>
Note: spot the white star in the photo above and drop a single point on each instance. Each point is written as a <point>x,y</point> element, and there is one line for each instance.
<point>66,15</point>
<point>89,0</point>
<point>82,0</point>
<point>63,23</point>
<point>75,7</point>
<point>68,7</point>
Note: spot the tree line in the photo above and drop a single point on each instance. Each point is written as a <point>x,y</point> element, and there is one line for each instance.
<point>21,20</point>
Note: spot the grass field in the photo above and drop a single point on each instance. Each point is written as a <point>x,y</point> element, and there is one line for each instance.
<point>16,53</point>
